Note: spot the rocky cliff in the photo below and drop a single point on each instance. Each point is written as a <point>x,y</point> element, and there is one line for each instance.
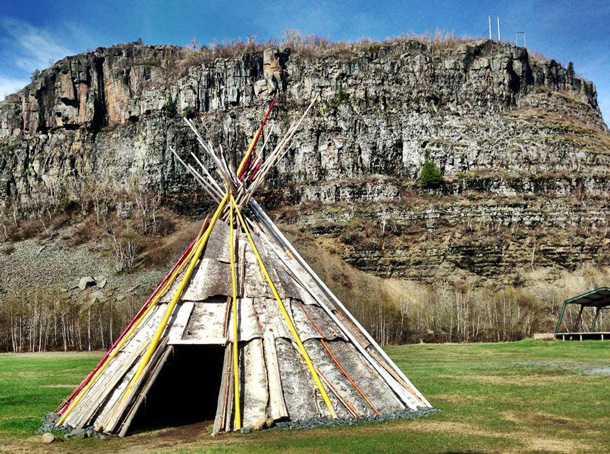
<point>520,141</point>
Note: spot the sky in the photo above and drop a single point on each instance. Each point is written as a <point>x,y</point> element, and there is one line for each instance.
<point>35,34</point>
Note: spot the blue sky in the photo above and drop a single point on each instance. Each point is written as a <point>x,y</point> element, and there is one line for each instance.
<point>34,34</point>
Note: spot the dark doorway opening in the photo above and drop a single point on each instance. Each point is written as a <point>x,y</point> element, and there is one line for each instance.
<point>185,391</point>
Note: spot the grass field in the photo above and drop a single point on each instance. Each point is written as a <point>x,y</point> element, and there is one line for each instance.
<point>516,397</point>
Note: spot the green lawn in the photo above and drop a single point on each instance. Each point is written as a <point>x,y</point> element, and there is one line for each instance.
<point>515,397</point>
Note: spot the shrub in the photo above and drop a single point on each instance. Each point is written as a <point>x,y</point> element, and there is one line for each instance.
<point>126,246</point>
<point>65,204</point>
<point>189,113</point>
<point>170,108</point>
<point>8,249</point>
<point>430,176</point>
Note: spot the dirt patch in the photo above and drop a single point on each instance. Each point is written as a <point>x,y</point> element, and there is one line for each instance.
<point>517,380</point>
<point>554,445</point>
<point>536,418</point>
<point>458,398</point>
<point>453,427</point>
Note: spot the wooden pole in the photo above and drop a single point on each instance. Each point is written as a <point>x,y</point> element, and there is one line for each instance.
<point>237,423</point>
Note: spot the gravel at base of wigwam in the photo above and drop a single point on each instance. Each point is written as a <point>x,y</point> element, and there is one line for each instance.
<point>48,424</point>
<point>327,422</point>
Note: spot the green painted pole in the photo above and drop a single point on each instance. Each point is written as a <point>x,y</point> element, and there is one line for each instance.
<point>563,311</point>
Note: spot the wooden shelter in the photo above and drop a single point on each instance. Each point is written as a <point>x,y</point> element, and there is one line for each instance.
<point>241,331</point>
<point>596,300</point>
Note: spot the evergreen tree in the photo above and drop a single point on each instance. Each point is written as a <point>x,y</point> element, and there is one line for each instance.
<point>430,176</point>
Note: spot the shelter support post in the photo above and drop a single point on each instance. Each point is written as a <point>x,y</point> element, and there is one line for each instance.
<point>578,318</point>
<point>594,322</point>
<point>561,314</point>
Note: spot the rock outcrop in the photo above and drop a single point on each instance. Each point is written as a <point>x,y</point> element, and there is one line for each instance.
<point>520,141</point>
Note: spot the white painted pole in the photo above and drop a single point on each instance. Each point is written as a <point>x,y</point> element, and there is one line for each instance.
<point>489,17</point>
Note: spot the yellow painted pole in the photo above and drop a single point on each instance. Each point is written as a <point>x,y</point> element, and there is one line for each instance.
<point>170,307</point>
<point>293,330</point>
<point>123,341</point>
<point>235,340</point>
<point>245,158</point>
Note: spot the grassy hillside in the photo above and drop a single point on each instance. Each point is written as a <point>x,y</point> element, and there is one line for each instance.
<point>514,397</point>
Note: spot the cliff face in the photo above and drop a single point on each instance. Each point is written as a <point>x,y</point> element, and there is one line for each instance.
<point>520,141</point>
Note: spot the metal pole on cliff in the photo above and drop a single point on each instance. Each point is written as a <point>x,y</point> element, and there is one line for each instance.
<point>489,17</point>
<point>499,36</point>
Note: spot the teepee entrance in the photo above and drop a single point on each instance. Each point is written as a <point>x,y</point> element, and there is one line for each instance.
<point>186,389</point>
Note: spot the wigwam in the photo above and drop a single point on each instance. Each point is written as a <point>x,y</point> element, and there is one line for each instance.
<point>241,330</point>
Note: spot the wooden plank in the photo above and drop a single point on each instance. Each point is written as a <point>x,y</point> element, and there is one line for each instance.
<point>302,324</point>
<point>339,385</point>
<point>166,298</point>
<point>352,330</point>
<point>329,328</point>
<point>374,386</point>
<point>121,381</point>
<point>271,318</point>
<point>249,326</point>
<point>122,408</point>
<point>180,320</point>
<point>255,284</point>
<point>212,278</point>
<point>217,247</point>
<point>228,417</point>
<point>94,402</point>
<point>206,323</point>
<point>300,393</point>
<point>254,384</point>
<point>147,386</point>
<point>223,395</point>
<point>277,404</point>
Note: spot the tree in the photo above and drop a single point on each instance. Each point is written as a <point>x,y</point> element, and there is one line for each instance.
<point>570,69</point>
<point>194,44</point>
<point>430,176</point>
<point>35,75</point>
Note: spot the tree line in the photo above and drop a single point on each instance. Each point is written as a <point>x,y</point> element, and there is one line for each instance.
<point>35,320</point>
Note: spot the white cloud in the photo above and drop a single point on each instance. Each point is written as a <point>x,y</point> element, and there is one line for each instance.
<point>10,85</point>
<point>31,47</point>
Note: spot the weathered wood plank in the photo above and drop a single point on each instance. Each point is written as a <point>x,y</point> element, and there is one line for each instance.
<point>277,404</point>
<point>254,384</point>
<point>221,408</point>
<point>211,278</point>
<point>206,323</point>
<point>179,321</point>
<point>146,388</point>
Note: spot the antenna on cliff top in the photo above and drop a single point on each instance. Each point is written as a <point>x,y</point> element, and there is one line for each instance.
<point>499,36</point>
<point>489,17</point>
